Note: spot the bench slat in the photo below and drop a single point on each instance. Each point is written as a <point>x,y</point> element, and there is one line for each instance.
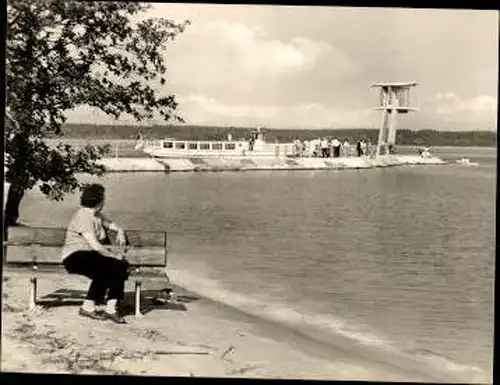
<point>20,234</point>
<point>48,236</point>
<point>56,236</point>
<point>147,256</point>
<point>146,238</point>
<point>49,255</point>
<point>24,235</point>
<point>47,269</point>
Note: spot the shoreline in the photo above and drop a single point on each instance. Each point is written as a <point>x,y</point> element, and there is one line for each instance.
<point>224,341</point>
<point>56,340</point>
<point>373,357</point>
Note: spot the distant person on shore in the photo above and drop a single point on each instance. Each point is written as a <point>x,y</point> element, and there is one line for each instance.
<point>336,147</point>
<point>346,148</point>
<point>297,148</point>
<point>251,142</point>
<point>359,149</point>
<point>310,148</point>
<point>139,141</point>
<point>363,147</point>
<point>324,148</point>
<point>369,148</point>
<point>84,254</point>
<point>314,147</point>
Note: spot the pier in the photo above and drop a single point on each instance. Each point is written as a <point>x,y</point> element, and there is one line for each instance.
<point>247,164</point>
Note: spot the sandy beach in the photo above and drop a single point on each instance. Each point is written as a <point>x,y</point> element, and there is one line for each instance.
<point>193,337</point>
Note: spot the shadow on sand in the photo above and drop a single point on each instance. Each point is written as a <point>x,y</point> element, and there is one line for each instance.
<point>150,300</point>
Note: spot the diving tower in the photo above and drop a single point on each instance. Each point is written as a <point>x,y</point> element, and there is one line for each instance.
<point>394,100</point>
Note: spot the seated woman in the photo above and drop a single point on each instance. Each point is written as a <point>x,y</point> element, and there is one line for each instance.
<point>84,253</point>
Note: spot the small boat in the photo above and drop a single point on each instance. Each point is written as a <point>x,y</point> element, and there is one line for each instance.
<point>466,162</point>
<point>256,146</point>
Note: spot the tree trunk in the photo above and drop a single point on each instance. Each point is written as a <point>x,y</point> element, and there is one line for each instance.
<point>14,198</point>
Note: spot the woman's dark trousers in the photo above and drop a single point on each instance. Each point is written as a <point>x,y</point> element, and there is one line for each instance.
<point>107,274</point>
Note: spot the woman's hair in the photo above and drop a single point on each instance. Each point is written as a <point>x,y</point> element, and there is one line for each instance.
<point>92,195</point>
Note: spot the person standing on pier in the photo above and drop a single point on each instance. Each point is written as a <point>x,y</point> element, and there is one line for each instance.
<point>336,147</point>
<point>346,148</point>
<point>363,147</point>
<point>312,148</point>
<point>324,148</point>
<point>139,141</point>
<point>369,148</point>
<point>297,148</point>
<point>331,148</point>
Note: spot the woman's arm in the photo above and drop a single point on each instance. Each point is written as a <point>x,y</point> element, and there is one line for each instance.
<point>109,224</point>
<point>92,240</point>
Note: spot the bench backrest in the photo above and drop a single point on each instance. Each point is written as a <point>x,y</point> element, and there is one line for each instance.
<point>42,245</point>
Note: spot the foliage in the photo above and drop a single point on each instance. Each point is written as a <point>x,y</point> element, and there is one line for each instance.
<point>64,54</point>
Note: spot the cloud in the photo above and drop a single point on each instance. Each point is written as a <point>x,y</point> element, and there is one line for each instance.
<point>451,111</point>
<point>450,103</point>
<point>205,110</point>
<point>246,49</point>
<point>236,61</point>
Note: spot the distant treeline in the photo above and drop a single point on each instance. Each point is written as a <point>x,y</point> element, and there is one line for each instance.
<point>187,132</point>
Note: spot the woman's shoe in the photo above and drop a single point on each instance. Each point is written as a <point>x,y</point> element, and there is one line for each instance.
<point>91,314</point>
<point>115,318</point>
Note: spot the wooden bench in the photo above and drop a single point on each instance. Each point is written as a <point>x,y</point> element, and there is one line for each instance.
<point>37,248</point>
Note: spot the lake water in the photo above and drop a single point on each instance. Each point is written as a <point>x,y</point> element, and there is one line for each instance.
<point>398,258</point>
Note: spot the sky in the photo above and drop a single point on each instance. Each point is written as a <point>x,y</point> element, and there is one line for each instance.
<point>312,67</point>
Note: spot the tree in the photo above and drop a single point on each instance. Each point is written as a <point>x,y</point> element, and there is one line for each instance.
<point>62,54</point>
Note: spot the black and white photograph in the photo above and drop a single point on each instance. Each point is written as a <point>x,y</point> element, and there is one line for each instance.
<point>249,191</point>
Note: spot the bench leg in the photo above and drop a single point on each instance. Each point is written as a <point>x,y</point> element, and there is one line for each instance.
<point>138,298</point>
<point>32,293</point>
